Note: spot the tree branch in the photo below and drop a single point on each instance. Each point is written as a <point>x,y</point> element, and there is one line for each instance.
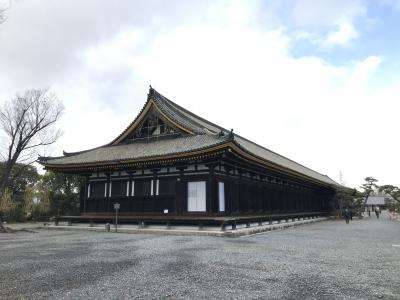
<point>28,121</point>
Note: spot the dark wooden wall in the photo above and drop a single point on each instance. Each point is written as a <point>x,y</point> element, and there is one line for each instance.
<point>247,191</point>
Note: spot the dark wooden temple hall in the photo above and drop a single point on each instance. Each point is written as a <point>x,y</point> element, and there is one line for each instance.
<point>170,165</point>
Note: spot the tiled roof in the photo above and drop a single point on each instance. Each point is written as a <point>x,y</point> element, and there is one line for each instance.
<point>179,116</point>
<point>280,160</point>
<point>205,134</point>
<point>140,150</point>
<point>186,117</point>
<point>375,200</point>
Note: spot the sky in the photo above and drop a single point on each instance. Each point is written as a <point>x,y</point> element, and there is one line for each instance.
<point>315,81</point>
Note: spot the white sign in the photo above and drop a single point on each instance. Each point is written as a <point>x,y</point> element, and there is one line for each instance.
<point>116,206</point>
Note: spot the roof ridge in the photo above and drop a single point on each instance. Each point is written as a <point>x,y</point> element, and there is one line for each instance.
<point>134,120</point>
<point>193,114</point>
<point>156,96</point>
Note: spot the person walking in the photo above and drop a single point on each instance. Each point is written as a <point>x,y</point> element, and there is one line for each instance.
<point>377,212</point>
<point>347,215</point>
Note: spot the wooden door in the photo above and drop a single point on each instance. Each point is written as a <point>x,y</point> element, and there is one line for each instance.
<point>197,196</point>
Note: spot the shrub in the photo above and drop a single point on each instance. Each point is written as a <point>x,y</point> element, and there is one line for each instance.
<point>11,210</point>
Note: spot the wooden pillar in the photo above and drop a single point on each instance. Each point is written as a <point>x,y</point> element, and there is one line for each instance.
<point>263,195</point>
<point>251,194</point>
<point>277,198</point>
<point>107,200</point>
<point>236,191</point>
<point>254,193</point>
<point>154,192</point>
<point>240,193</point>
<point>298,197</point>
<point>180,192</point>
<point>211,195</point>
<point>292,200</point>
<point>233,194</point>
<point>289,198</point>
<point>286,197</point>
<point>281,195</point>
<point>228,190</point>
<point>260,199</point>
<point>267,197</point>
<point>271,195</point>
<point>256,198</point>
<point>83,205</point>
<point>82,197</point>
<point>274,197</point>
<point>301,196</point>
<point>130,195</point>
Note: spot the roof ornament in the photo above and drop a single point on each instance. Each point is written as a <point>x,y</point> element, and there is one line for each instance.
<point>42,158</point>
<point>231,135</point>
<point>221,133</point>
<point>151,92</point>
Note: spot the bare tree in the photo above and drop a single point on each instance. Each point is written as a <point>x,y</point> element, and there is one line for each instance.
<point>2,14</point>
<point>28,123</point>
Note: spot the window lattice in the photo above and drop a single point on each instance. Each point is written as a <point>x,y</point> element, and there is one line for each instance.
<point>152,127</point>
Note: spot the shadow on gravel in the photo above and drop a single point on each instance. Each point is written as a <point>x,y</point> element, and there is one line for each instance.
<point>10,230</point>
<point>65,276</point>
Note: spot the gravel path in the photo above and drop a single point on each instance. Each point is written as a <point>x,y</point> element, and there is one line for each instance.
<point>327,260</point>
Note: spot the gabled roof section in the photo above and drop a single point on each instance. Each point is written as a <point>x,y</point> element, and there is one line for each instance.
<point>170,113</point>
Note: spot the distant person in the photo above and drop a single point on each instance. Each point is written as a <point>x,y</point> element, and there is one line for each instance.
<point>347,215</point>
<point>369,212</point>
<point>351,214</point>
<point>377,212</point>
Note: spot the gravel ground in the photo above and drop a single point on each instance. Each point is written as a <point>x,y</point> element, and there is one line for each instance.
<point>327,260</point>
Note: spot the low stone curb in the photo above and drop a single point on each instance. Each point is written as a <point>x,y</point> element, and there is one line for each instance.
<point>219,233</point>
<point>267,228</point>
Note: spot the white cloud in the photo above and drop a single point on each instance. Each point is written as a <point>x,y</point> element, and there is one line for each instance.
<point>328,23</point>
<point>343,36</point>
<point>310,13</point>
<point>363,70</point>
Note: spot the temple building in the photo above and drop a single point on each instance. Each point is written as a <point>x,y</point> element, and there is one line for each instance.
<point>171,162</point>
